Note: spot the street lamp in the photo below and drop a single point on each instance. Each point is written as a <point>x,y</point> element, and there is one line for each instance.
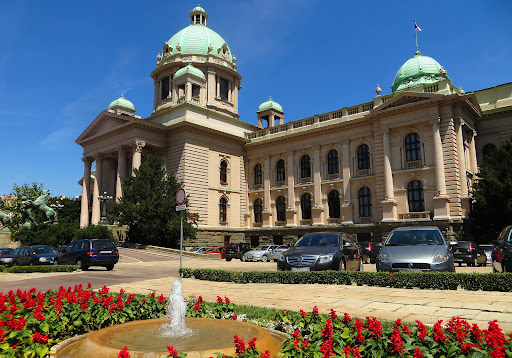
<point>103,199</point>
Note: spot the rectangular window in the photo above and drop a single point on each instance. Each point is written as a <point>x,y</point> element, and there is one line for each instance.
<point>165,88</point>
<point>223,89</point>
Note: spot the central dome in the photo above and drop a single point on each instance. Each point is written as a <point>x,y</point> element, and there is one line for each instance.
<point>417,71</point>
<point>198,39</point>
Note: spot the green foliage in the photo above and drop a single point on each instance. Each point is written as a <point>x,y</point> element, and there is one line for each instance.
<point>148,206</point>
<point>95,232</point>
<point>41,268</point>
<point>31,192</point>
<point>492,194</point>
<point>424,280</point>
<point>68,210</point>
<point>47,234</point>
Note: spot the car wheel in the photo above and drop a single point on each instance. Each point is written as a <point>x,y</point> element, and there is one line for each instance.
<point>55,262</point>
<point>228,259</point>
<point>242,259</point>
<point>361,267</point>
<point>264,258</point>
<point>275,260</point>
<point>81,265</point>
<point>109,267</point>
<point>460,264</point>
<point>475,262</point>
<point>342,265</point>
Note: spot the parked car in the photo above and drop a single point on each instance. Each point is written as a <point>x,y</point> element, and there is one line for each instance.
<point>7,256</point>
<point>502,251</point>
<point>322,251</point>
<point>35,255</point>
<point>261,253</point>
<point>488,252</point>
<point>218,250</point>
<point>412,249</point>
<point>278,251</point>
<point>90,252</point>
<point>201,249</point>
<point>470,253</point>
<point>236,250</point>
<point>370,250</point>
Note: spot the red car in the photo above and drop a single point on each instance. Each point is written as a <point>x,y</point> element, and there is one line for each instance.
<point>219,250</point>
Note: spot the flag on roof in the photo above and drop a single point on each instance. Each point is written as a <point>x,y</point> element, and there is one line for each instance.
<point>416,26</point>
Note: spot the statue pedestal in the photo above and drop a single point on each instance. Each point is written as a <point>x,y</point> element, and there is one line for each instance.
<point>5,239</point>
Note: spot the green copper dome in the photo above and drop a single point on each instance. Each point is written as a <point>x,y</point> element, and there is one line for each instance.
<point>198,9</point>
<point>122,102</point>
<point>417,71</point>
<point>270,104</point>
<point>189,69</point>
<point>195,39</point>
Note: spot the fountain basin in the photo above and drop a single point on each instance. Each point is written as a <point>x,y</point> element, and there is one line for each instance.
<point>144,341</point>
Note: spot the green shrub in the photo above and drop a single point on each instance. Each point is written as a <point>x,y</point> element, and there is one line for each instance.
<point>41,268</point>
<point>95,232</point>
<point>424,280</point>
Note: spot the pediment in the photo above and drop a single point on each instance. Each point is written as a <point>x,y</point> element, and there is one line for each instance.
<point>104,123</point>
<point>406,98</point>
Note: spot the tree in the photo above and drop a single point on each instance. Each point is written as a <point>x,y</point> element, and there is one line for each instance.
<point>492,194</point>
<point>14,205</point>
<point>148,206</point>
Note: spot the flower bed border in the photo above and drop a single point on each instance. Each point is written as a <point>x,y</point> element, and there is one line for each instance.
<point>425,280</point>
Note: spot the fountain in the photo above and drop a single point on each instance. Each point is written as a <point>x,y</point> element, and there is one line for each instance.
<point>197,337</point>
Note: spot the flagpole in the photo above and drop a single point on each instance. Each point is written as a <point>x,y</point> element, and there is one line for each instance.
<point>416,32</point>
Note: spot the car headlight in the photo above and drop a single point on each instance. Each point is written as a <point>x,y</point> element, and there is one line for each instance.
<point>257,254</point>
<point>439,259</point>
<point>281,258</point>
<point>383,258</point>
<point>42,259</point>
<point>7,259</point>
<point>326,258</point>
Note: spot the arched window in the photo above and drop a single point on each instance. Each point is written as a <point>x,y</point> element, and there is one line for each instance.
<point>305,206</point>
<point>223,172</point>
<point>305,167</point>
<point>365,202</point>
<point>258,175</point>
<point>415,196</point>
<point>487,149</point>
<point>332,162</point>
<point>333,200</point>
<point>412,147</point>
<point>223,210</point>
<point>258,209</point>
<point>280,172</point>
<point>363,157</point>
<point>281,208</point>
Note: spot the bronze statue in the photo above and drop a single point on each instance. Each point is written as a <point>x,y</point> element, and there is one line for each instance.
<point>5,219</point>
<point>40,204</point>
<point>26,208</point>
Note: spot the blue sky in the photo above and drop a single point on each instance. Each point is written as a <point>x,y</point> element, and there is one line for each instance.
<point>62,62</point>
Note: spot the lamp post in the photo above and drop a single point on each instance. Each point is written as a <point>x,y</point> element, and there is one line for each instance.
<point>103,199</point>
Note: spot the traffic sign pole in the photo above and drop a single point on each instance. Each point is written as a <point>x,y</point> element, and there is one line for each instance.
<point>181,197</point>
<point>181,245</point>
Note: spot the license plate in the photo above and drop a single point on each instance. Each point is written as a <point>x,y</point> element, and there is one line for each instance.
<point>409,270</point>
<point>457,260</point>
<point>105,252</point>
<point>300,268</point>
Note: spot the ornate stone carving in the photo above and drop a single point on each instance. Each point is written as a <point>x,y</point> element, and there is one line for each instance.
<point>139,144</point>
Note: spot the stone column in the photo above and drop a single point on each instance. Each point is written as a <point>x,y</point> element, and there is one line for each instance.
<point>389,204</point>
<point>317,187</point>
<point>155,93</point>
<point>188,91</point>
<point>267,212</point>
<point>346,207</point>
<point>260,123</point>
<point>121,172</point>
<point>229,91</point>
<point>272,120</point>
<point>174,93</point>
<point>211,87</point>
<point>472,155</point>
<point>462,158</point>
<point>235,97</point>
<point>86,182</point>
<point>137,154</point>
<point>96,205</point>
<point>440,199</point>
<point>291,211</point>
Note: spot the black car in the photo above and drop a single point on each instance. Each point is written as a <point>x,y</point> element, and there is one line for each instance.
<point>7,256</point>
<point>370,251</point>
<point>236,250</point>
<point>35,255</point>
<point>322,251</point>
<point>90,252</point>
<point>470,253</point>
<point>502,251</point>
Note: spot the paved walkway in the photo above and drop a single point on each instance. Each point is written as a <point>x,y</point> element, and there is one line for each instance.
<point>429,306</point>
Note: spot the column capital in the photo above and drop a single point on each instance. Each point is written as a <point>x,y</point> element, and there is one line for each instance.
<point>98,156</point>
<point>462,122</point>
<point>86,159</point>
<point>121,150</point>
<point>345,141</point>
<point>139,144</point>
<point>436,120</point>
<point>385,131</point>
<point>316,147</point>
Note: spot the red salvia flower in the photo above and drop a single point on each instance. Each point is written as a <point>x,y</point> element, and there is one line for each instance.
<point>265,355</point>
<point>219,299</point>
<point>227,300</point>
<point>438,332</point>
<point>346,318</point>
<point>199,299</point>
<point>197,306</point>
<point>421,330</point>
<point>234,316</point>
<point>123,353</point>
<point>315,311</point>
<point>466,348</point>
<point>333,314</point>
<point>239,345</point>
<point>476,334</point>
<point>326,349</point>
<point>417,353</point>
<point>39,338</point>
<point>173,352</point>
<point>252,343</point>
<point>356,353</point>
<point>327,332</point>
<point>161,298</point>
<point>375,327</point>
<point>396,342</point>
<point>303,313</point>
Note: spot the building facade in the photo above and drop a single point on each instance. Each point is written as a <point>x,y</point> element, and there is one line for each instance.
<point>405,158</point>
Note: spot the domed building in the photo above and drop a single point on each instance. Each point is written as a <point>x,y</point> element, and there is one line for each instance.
<point>404,158</point>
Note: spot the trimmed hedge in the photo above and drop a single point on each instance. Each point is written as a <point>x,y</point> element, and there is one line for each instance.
<point>424,280</point>
<point>40,268</point>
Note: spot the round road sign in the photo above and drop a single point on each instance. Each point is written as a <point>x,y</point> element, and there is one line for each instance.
<point>181,196</point>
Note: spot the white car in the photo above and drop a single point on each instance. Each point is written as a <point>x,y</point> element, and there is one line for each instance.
<point>261,253</point>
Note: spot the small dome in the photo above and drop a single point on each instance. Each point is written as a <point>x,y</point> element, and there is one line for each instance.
<point>198,10</point>
<point>270,104</point>
<point>122,102</point>
<point>189,69</point>
<point>417,71</point>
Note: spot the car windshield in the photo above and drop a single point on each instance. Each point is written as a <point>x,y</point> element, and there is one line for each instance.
<point>103,244</point>
<point>42,250</point>
<point>6,251</point>
<point>318,240</point>
<point>261,248</point>
<point>414,238</point>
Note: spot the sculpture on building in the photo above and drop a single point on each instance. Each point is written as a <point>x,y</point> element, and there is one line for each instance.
<point>5,219</point>
<point>40,204</point>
